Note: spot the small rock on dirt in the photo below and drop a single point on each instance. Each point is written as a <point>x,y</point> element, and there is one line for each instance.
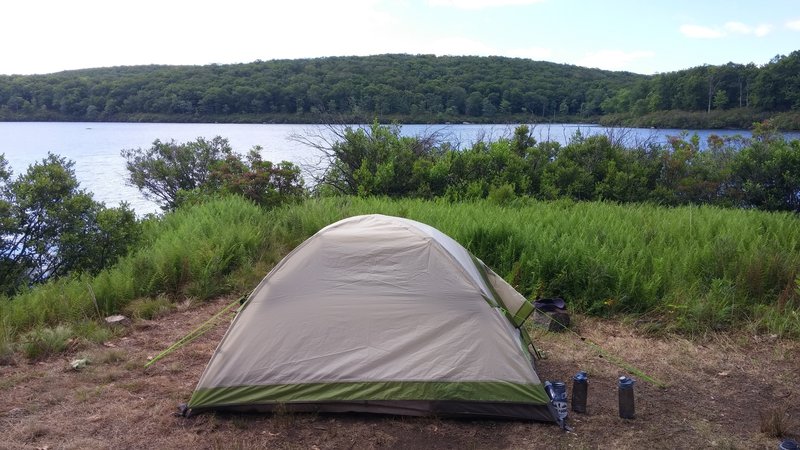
<point>118,320</point>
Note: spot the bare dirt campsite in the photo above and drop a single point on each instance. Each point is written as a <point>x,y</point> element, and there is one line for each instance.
<point>723,391</point>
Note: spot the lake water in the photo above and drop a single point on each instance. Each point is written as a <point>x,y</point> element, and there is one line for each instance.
<point>95,147</point>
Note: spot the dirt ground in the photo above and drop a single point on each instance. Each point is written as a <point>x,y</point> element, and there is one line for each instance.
<point>727,391</point>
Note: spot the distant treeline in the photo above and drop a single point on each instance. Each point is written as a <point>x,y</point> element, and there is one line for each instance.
<point>410,88</point>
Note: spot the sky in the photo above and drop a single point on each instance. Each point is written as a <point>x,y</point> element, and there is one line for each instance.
<point>641,36</point>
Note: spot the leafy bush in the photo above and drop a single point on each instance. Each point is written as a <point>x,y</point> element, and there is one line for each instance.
<point>175,173</point>
<point>268,185</point>
<point>501,195</point>
<point>750,173</point>
<point>42,342</point>
<point>7,346</point>
<point>49,227</point>
<point>167,168</point>
<point>149,308</point>
<point>93,331</point>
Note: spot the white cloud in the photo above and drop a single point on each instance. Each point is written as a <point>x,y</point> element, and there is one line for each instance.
<point>93,36</point>
<point>738,27</point>
<point>730,28</point>
<point>793,25</point>
<point>760,30</point>
<point>613,59</point>
<point>698,32</point>
<point>481,4</point>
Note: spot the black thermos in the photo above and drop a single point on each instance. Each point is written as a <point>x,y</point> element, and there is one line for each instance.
<point>580,390</point>
<point>626,406</point>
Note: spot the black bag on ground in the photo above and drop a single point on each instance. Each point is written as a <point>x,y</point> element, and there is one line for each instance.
<point>551,313</point>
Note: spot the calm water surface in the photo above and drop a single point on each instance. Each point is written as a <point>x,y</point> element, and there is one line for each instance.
<point>95,147</point>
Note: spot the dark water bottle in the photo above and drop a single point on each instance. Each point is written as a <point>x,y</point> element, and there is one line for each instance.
<point>580,390</point>
<point>788,444</point>
<point>626,403</point>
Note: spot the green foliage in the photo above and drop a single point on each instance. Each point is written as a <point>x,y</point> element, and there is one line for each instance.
<point>173,173</point>
<point>781,321</point>
<point>7,346</point>
<point>409,88</point>
<point>50,227</point>
<point>42,342</point>
<point>374,160</point>
<point>501,195</point>
<point>267,184</point>
<point>165,169</point>
<point>693,268</point>
<point>421,88</point>
<point>767,172</point>
<point>93,331</point>
<point>191,252</point>
<point>762,172</point>
<point>698,268</point>
<point>149,308</point>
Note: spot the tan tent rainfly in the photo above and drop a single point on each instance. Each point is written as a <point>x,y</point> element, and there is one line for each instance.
<point>378,314</point>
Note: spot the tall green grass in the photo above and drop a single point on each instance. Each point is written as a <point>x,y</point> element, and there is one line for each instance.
<point>192,253</point>
<point>690,269</point>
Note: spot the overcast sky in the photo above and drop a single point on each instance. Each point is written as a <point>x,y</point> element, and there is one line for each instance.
<point>642,36</point>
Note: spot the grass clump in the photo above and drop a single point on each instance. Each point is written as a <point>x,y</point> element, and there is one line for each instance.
<point>775,422</point>
<point>42,342</point>
<point>696,269</point>
<point>92,331</point>
<point>194,252</point>
<point>7,346</point>
<point>688,269</point>
<point>149,308</point>
<point>190,252</point>
<point>111,356</point>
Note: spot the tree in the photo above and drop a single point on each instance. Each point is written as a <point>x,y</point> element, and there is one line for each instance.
<point>267,184</point>
<point>369,160</point>
<point>713,81</point>
<point>474,104</point>
<point>563,109</point>
<point>50,227</point>
<point>166,168</point>
<point>720,99</point>
<point>768,171</point>
<point>174,173</point>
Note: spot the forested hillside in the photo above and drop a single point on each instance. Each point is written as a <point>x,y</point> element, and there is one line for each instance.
<point>411,88</point>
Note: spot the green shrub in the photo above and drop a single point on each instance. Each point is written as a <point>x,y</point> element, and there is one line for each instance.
<point>501,195</point>
<point>6,345</point>
<point>696,268</point>
<point>93,331</point>
<point>700,268</point>
<point>149,308</point>
<point>42,342</point>
<point>190,252</point>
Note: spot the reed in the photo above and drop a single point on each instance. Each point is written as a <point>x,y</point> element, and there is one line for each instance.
<point>691,269</point>
<point>188,254</point>
<point>687,269</point>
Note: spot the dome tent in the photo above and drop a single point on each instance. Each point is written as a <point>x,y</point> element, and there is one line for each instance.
<point>378,314</point>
